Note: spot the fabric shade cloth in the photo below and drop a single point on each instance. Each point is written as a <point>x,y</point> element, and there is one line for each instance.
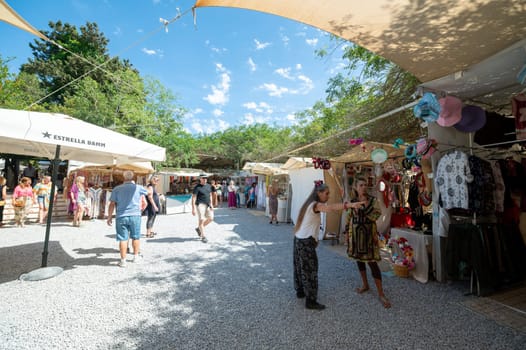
<point>428,38</point>
<point>8,15</point>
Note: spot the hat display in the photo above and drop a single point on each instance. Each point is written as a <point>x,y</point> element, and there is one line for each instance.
<point>473,119</point>
<point>426,147</point>
<point>450,111</point>
<point>428,108</point>
<point>378,155</point>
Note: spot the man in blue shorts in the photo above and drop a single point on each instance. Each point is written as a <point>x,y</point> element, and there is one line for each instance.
<point>128,198</point>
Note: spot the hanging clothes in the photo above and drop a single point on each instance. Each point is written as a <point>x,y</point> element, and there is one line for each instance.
<point>482,188</point>
<point>452,178</point>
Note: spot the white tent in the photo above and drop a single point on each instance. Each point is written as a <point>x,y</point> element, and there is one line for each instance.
<point>37,134</point>
<point>60,137</point>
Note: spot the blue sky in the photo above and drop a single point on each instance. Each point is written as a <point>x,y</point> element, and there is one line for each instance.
<point>234,67</point>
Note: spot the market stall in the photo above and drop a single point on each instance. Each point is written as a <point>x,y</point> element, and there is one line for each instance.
<point>101,179</point>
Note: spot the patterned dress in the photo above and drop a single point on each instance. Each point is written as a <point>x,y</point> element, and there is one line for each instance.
<point>362,244</point>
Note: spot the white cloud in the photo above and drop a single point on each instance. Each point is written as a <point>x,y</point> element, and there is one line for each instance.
<point>311,42</point>
<point>261,107</point>
<point>307,84</point>
<point>252,65</point>
<point>208,126</point>
<point>285,39</point>
<point>217,112</point>
<point>284,72</point>
<point>250,105</point>
<point>298,66</point>
<point>153,52</point>
<point>219,95</point>
<point>250,119</point>
<point>274,90</point>
<point>260,45</point>
<point>117,31</point>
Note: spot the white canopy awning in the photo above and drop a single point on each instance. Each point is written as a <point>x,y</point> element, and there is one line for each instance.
<point>37,134</point>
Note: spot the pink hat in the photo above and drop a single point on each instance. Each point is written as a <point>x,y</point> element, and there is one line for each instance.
<point>450,111</point>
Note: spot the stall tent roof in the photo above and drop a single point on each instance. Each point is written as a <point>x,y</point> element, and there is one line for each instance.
<point>362,153</point>
<point>139,168</point>
<point>37,134</point>
<point>428,38</point>
<point>264,168</point>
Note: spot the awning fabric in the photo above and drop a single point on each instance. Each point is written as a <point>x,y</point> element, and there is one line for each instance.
<point>428,38</point>
<point>362,153</point>
<point>37,134</point>
<point>8,15</point>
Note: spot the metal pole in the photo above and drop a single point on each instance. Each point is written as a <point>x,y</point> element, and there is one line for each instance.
<point>55,163</point>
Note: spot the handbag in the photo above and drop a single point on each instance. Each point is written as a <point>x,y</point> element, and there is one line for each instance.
<point>19,202</point>
<point>2,203</point>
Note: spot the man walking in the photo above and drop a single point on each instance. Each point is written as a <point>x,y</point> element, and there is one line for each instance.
<point>127,197</point>
<point>202,203</point>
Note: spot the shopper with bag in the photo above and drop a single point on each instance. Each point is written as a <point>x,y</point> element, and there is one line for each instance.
<point>23,199</point>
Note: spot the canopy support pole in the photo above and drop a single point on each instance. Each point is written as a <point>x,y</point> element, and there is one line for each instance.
<point>55,163</point>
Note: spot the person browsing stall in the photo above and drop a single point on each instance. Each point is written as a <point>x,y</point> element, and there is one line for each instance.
<point>306,240</point>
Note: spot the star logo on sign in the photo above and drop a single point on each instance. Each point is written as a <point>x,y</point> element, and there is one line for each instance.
<point>46,134</point>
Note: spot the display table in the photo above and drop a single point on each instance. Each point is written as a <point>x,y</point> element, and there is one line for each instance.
<point>418,241</point>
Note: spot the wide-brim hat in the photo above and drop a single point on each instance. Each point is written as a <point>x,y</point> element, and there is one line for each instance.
<point>450,111</point>
<point>473,119</point>
<point>426,147</point>
<point>428,108</point>
<point>378,155</point>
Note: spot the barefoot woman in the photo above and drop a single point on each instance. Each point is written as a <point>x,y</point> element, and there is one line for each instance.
<point>363,238</point>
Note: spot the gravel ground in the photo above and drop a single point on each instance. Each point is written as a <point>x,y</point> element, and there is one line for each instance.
<point>234,292</point>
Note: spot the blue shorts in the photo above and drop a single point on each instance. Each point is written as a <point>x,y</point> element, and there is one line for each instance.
<point>128,227</point>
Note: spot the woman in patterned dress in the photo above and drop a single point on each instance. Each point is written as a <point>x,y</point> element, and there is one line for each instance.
<point>363,245</point>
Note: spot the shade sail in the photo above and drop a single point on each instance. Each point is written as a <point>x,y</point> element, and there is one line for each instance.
<point>8,15</point>
<point>362,153</point>
<point>427,38</point>
<point>37,134</point>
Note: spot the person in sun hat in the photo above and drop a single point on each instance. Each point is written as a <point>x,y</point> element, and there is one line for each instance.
<point>428,108</point>
<point>202,205</point>
<point>450,111</point>
<point>473,119</point>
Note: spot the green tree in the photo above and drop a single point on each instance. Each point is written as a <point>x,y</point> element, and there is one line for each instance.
<point>72,53</point>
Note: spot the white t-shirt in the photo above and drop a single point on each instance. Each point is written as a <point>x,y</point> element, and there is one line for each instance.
<point>310,225</point>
